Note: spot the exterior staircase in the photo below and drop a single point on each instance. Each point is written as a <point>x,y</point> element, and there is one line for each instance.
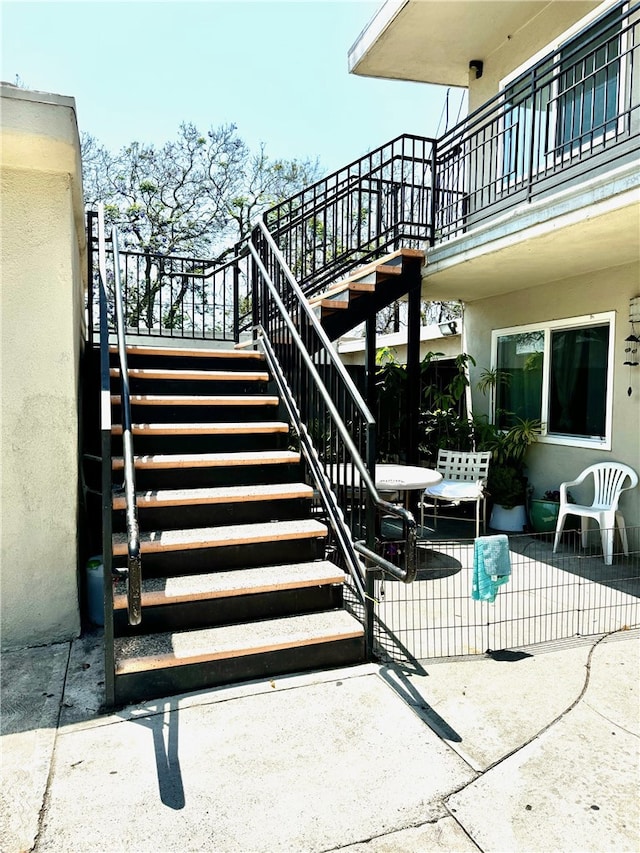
<point>235,584</point>
<point>366,290</point>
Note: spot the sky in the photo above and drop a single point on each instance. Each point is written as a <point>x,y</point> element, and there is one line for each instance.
<point>278,70</point>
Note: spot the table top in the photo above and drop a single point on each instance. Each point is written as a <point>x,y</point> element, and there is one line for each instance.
<point>403,478</point>
<point>392,478</point>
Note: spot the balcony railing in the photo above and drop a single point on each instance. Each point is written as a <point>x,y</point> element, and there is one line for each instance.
<point>573,114</point>
<point>174,296</point>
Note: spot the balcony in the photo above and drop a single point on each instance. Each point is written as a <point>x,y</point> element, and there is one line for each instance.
<point>541,182</point>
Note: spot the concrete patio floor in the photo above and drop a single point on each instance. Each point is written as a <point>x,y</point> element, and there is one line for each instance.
<point>526,753</point>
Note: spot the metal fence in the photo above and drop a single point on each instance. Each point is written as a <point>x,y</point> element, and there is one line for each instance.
<point>548,597</point>
<point>376,204</point>
<point>173,296</point>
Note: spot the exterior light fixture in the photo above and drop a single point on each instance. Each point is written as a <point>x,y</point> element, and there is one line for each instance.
<point>448,328</point>
<point>476,65</point>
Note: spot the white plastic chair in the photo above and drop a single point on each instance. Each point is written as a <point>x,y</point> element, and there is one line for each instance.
<point>464,476</point>
<point>608,482</point>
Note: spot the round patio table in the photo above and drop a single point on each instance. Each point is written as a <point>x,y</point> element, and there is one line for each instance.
<point>391,478</point>
<point>405,478</point>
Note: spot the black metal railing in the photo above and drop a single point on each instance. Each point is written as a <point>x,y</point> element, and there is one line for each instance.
<point>337,431</point>
<point>574,113</point>
<point>549,597</point>
<point>376,204</point>
<point>176,295</point>
<point>134,567</point>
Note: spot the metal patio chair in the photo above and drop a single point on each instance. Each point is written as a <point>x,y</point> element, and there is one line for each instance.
<point>464,477</point>
<point>608,482</point>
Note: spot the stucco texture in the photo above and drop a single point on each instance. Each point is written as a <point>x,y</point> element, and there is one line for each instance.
<point>601,291</point>
<point>41,295</point>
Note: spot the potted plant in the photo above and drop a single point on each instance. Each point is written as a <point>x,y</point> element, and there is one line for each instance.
<point>543,512</point>
<point>507,483</point>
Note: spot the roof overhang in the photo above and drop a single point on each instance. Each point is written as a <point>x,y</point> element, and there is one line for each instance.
<point>433,41</point>
<point>595,227</point>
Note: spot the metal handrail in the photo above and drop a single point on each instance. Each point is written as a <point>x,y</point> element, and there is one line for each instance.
<point>134,557</point>
<point>374,203</point>
<point>409,524</point>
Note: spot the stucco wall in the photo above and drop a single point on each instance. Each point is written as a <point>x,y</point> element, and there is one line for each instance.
<point>42,302</point>
<point>519,46</point>
<point>605,290</point>
<point>352,352</point>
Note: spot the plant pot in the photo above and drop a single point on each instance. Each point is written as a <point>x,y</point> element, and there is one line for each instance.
<point>512,520</point>
<point>543,515</point>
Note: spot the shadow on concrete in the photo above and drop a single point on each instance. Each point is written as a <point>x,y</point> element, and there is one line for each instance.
<point>162,720</point>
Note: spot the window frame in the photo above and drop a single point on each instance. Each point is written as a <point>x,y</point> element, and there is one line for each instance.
<point>547,327</point>
<point>551,154</point>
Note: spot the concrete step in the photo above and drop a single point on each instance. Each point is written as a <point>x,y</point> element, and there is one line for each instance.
<point>226,536</point>
<point>225,585</point>
<point>221,495</point>
<point>176,649</point>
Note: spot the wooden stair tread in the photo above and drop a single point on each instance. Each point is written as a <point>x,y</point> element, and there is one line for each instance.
<point>158,651</point>
<point>210,460</point>
<point>191,352</point>
<point>199,400</point>
<point>380,265</point>
<point>218,428</point>
<point>348,288</point>
<point>155,541</point>
<point>213,375</point>
<point>226,584</point>
<point>334,304</point>
<point>218,495</point>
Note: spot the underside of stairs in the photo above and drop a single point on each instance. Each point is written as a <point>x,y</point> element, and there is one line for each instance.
<point>367,290</point>
<point>235,584</point>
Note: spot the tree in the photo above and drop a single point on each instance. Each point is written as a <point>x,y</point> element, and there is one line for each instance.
<point>195,196</point>
<point>393,318</point>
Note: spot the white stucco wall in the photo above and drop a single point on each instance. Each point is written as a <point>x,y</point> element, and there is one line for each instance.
<point>600,291</point>
<point>352,351</point>
<point>517,47</point>
<point>42,303</point>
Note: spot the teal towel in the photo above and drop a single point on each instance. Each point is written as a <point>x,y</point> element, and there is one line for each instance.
<point>491,566</point>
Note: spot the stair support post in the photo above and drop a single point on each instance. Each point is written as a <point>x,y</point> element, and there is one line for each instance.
<point>369,602</point>
<point>413,368</point>
<point>370,363</point>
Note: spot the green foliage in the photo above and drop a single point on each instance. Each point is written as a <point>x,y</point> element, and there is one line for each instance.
<point>196,195</point>
<point>506,485</point>
<point>442,422</point>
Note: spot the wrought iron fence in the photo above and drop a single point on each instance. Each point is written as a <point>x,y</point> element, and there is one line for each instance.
<point>572,115</point>
<point>174,295</point>
<point>376,204</point>
<point>574,112</point>
<point>548,597</point>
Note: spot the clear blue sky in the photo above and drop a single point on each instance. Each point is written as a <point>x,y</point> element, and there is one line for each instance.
<point>278,70</point>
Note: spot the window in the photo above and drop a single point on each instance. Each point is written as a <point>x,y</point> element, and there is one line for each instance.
<point>588,85</point>
<point>559,372</point>
<point>566,104</point>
